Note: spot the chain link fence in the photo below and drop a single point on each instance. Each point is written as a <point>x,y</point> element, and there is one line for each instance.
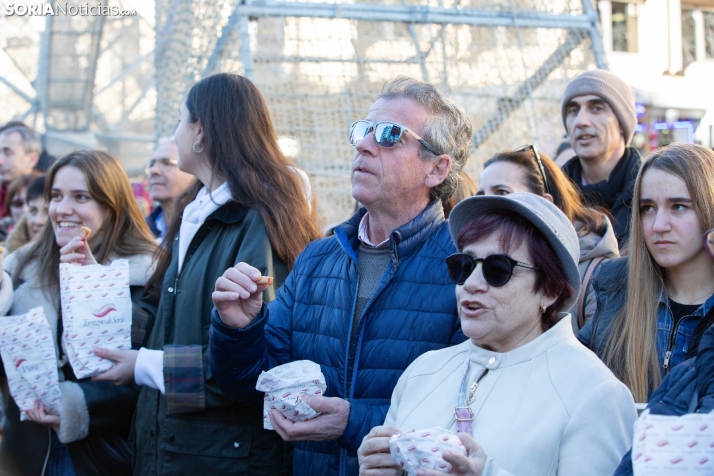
<point>319,75</point>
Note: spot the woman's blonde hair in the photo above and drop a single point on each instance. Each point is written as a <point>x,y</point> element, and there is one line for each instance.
<point>631,351</point>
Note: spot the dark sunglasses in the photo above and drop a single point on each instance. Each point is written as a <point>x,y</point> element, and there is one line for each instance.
<point>386,134</point>
<point>496,269</point>
<point>539,163</point>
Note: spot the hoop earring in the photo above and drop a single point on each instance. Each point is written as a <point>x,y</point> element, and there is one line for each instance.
<point>195,149</point>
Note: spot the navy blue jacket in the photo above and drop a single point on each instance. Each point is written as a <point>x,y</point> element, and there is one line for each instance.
<point>413,311</point>
<point>688,388</point>
<point>151,221</point>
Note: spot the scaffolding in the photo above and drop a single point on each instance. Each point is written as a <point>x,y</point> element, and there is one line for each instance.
<point>118,82</point>
<point>321,65</point>
<point>81,80</point>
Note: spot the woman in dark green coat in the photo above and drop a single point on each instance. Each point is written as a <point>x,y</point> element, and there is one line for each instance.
<point>249,204</point>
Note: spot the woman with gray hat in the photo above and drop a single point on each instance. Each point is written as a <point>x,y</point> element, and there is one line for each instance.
<point>525,396</point>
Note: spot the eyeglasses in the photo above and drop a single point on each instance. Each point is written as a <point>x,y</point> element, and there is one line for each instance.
<point>163,163</point>
<point>709,242</point>
<point>386,134</point>
<point>496,269</point>
<point>539,163</point>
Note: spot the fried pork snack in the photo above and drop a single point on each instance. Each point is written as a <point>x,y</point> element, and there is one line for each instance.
<point>265,280</point>
<point>85,232</point>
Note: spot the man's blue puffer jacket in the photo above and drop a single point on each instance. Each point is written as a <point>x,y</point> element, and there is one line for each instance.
<point>413,311</point>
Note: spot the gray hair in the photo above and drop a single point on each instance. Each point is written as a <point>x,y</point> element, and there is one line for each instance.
<point>28,137</point>
<point>448,129</point>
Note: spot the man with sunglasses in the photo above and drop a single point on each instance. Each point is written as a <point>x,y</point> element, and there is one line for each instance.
<point>166,182</point>
<point>598,110</point>
<point>367,301</point>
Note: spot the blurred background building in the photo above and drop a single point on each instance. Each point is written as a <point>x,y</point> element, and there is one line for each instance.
<point>117,82</point>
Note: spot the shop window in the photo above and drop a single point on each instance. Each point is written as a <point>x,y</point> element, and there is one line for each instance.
<point>690,32</point>
<point>709,34</point>
<point>624,27</point>
<point>689,41</point>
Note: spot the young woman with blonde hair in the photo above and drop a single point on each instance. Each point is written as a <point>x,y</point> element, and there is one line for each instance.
<point>650,304</point>
<point>525,170</point>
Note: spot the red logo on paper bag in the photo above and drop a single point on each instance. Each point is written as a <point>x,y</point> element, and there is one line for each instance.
<point>104,311</point>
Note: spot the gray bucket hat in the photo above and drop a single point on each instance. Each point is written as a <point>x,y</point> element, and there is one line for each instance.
<point>545,216</point>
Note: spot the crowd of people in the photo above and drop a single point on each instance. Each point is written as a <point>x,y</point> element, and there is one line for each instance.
<point>528,309</point>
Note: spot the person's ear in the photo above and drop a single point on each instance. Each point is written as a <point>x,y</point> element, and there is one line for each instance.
<point>549,197</point>
<point>200,135</point>
<point>440,168</point>
<point>32,159</point>
<point>548,301</point>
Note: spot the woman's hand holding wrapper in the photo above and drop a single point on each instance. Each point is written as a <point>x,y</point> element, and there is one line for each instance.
<point>238,295</point>
<point>375,458</point>
<point>230,295</point>
<point>76,251</point>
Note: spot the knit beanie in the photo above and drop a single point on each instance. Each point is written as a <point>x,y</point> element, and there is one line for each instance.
<point>612,90</point>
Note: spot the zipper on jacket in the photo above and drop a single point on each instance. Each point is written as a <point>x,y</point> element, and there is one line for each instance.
<point>667,355</point>
<point>672,336</point>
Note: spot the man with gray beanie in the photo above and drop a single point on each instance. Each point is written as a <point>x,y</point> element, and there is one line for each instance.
<point>598,110</point>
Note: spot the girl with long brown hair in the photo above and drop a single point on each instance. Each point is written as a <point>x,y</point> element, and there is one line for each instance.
<point>525,170</point>
<point>90,436</point>
<point>248,204</point>
<point>650,304</point>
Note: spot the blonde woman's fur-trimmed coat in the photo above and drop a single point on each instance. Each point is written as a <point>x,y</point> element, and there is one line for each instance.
<point>85,405</point>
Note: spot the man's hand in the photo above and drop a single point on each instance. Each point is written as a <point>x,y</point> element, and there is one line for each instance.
<point>470,465</point>
<point>238,298</point>
<point>77,251</point>
<point>375,459</point>
<point>123,371</point>
<point>40,415</point>
<point>328,426</point>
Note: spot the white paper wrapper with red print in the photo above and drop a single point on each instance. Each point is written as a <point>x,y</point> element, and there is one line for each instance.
<point>28,355</point>
<point>673,446</point>
<point>283,387</point>
<point>424,449</point>
<point>96,312</point>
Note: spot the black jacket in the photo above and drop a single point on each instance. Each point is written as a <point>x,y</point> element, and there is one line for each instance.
<point>105,451</point>
<point>614,194</point>
<point>193,428</point>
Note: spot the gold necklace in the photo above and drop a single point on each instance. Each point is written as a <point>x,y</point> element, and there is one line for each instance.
<point>709,293</point>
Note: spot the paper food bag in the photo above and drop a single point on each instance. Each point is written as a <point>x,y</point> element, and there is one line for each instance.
<point>28,355</point>
<point>283,386</point>
<point>673,446</point>
<point>96,312</point>
<point>424,449</point>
